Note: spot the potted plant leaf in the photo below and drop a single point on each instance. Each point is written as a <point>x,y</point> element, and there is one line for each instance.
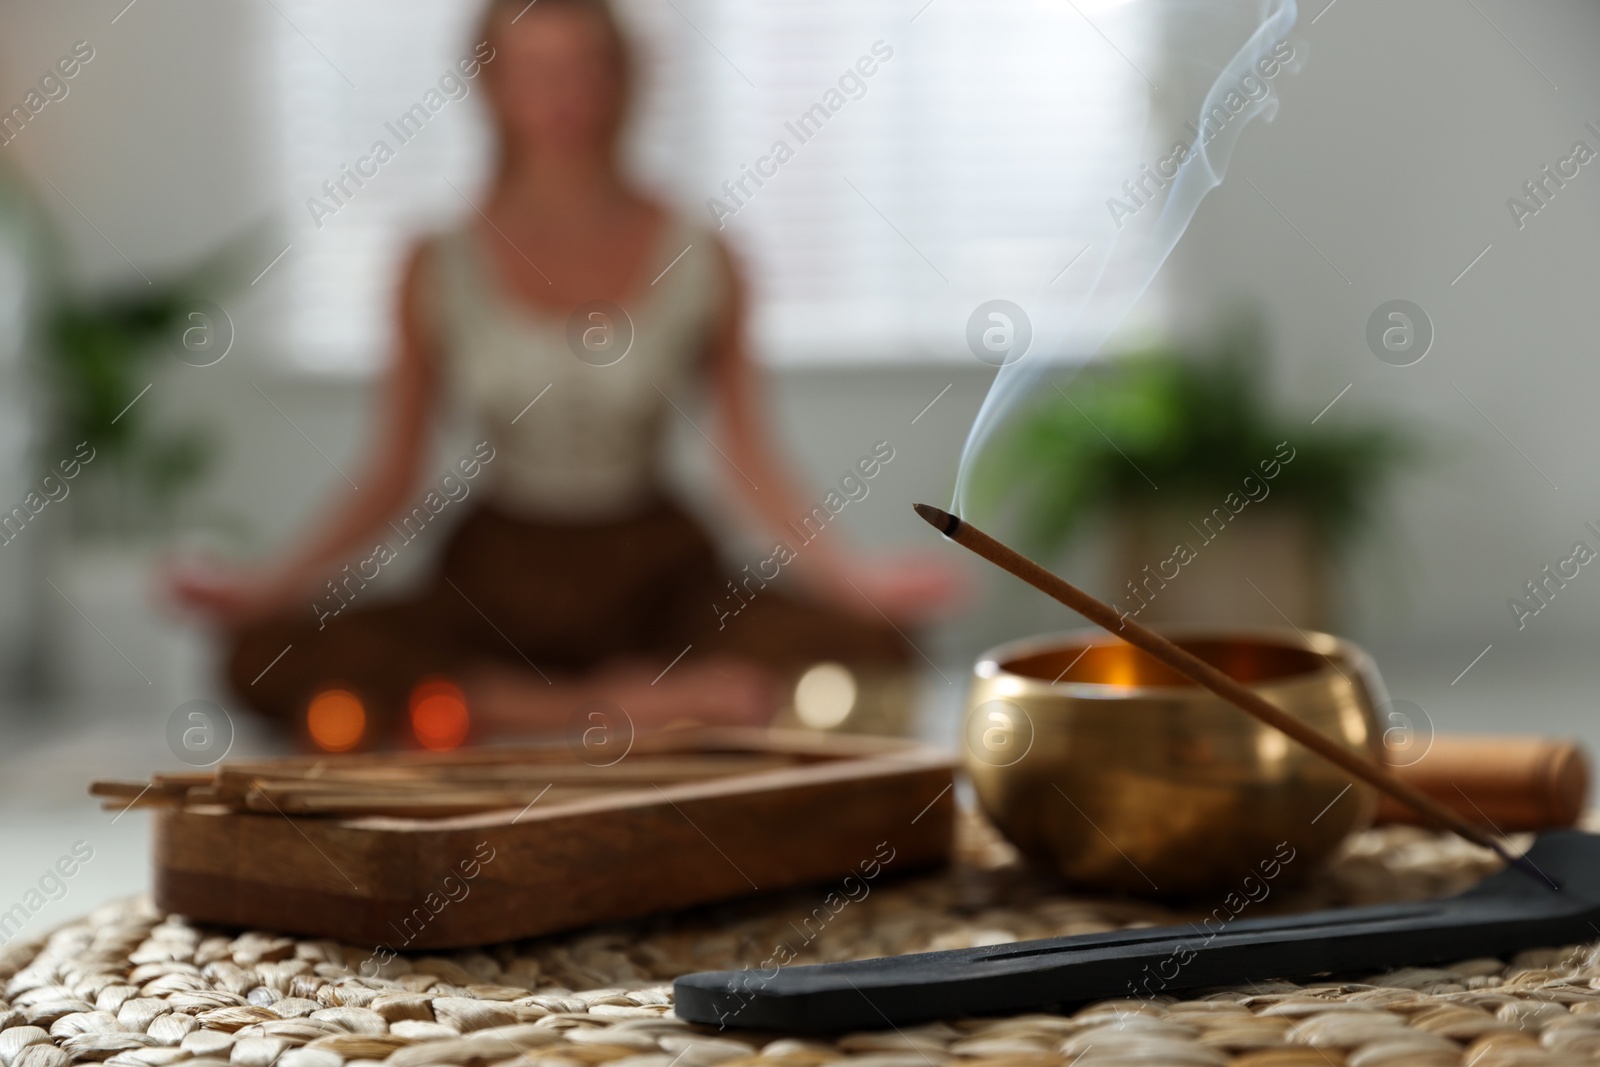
<point>1223,510</point>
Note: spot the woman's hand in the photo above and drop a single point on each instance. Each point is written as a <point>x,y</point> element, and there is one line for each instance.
<point>233,596</point>
<point>913,589</point>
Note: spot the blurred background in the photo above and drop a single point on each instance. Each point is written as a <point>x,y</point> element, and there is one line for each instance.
<point>178,161</point>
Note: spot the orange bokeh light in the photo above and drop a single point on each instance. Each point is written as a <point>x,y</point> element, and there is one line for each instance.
<point>439,714</point>
<point>336,720</point>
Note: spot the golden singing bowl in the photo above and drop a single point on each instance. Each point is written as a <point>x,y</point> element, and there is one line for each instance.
<point>1101,762</point>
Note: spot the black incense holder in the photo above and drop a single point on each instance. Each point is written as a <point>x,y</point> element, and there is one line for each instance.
<point>1505,913</point>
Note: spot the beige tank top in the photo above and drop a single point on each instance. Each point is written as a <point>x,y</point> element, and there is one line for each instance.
<point>576,407</point>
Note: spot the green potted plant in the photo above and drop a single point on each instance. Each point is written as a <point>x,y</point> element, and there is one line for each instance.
<point>116,469</point>
<point>1207,489</point>
<point>101,354</point>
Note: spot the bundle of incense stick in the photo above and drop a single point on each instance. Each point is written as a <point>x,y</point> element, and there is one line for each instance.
<point>417,785</point>
<point>1204,674</point>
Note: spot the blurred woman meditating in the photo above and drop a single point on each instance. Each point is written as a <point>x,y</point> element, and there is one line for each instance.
<point>574,577</point>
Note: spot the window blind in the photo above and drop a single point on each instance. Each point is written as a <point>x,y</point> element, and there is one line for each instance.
<point>964,167</point>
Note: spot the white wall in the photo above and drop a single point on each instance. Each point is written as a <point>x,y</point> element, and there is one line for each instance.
<point>160,142</point>
<point>1395,152</point>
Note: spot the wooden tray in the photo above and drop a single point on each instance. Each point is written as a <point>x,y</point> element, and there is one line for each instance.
<point>599,847</point>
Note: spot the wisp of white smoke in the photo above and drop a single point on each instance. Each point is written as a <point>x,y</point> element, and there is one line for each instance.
<point>1222,66</point>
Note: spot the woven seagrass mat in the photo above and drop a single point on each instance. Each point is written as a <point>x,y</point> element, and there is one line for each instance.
<point>135,988</point>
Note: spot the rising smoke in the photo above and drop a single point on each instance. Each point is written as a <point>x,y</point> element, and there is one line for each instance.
<point>1223,62</point>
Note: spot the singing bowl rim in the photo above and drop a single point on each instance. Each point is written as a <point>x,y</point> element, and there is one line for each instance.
<point>991,666</point>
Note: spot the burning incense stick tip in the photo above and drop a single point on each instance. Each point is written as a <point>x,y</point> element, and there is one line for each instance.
<point>938,518</point>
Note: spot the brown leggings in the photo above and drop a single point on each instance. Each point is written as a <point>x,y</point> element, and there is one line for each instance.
<point>560,599</point>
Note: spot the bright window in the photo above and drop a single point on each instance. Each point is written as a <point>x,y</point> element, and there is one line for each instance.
<point>962,168</point>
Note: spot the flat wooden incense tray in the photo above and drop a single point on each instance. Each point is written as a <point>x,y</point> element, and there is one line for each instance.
<point>410,851</point>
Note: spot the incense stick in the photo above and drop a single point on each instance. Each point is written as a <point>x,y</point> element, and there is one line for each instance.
<point>408,786</point>
<point>1204,674</point>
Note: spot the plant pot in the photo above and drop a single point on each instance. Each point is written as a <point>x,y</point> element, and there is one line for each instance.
<point>1198,564</point>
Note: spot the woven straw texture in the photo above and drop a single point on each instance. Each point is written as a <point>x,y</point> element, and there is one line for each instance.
<point>130,986</point>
